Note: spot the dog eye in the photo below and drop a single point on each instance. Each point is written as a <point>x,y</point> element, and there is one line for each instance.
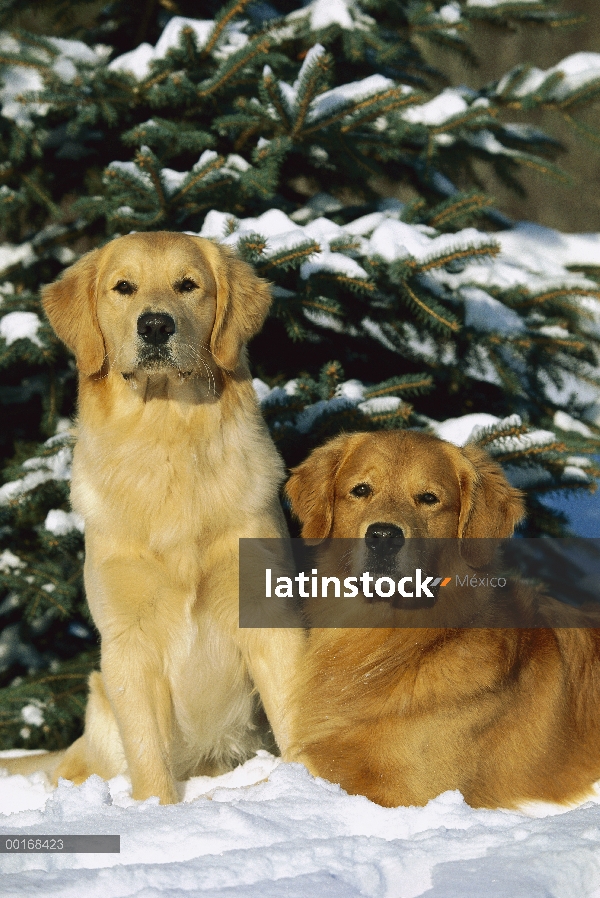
<point>125,288</point>
<point>186,286</point>
<point>427,499</point>
<point>360,490</point>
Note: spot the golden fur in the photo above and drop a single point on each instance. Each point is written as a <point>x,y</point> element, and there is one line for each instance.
<point>507,716</point>
<point>172,465</point>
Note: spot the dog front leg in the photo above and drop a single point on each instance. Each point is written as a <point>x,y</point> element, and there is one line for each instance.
<point>273,657</point>
<point>134,609</point>
<point>141,699</point>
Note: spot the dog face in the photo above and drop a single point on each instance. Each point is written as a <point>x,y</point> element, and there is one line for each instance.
<point>385,488</point>
<point>156,316</point>
<point>161,302</point>
<point>406,483</point>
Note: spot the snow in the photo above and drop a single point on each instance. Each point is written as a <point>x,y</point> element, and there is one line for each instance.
<point>390,238</point>
<point>20,326</point>
<point>397,240</point>
<point>486,140</point>
<point>279,231</point>
<point>488,4</point>
<point>451,13</point>
<point>533,438</point>
<point>9,562</point>
<point>538,246</point>
<point>380,405</point>
<point>566,422</point>
<point>169,39</point>
<point>70,52</point>
<point>269,829</point>
<point>323,231</point>
<point>366,224</point>
<point>485,313</point>
<point>75,50</point>
<point>11,255</point>
<point>61,522</point>
<point>335,263</point>
<point>574,472</point>
<point>471,428</point>
<point>577,70</point>
<point>172,180</point>
<point>32,715</point>
<point>306,418</point>
<point>324,13</point>
<point>330,101</point>
<point>374,329</point>
<point>138,62</point>
<point>41,470</point>
<point>133,170</point>
<point>460,430</point>
<point>535,258</point>
<point>573,389</point>
<point>18,80</point>
<point>448,104</point>
<point>443,184</point>
<point>481,367</point>
<point>352,389</point>
<point>24,79</point>
<point>467,428</point>
<point>237,163</point>
<point>261,389</point>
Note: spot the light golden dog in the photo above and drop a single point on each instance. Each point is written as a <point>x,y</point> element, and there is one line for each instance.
<point>506,715</point>
<point>172,465</point>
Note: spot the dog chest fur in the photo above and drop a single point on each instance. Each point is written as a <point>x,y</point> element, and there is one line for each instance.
<point>191,465</point>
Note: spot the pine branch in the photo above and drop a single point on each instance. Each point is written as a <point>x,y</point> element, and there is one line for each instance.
<point>309,85</point>
<point>291,258</point>
<point>586,131</point>
<point>395,97</point>
<point>452,210</point>
<point>458,255</point>
<point>410,384</point>
<point>223,19</point>
<point>231,68</point>
<point>530,300</point>
<point>429,310</point>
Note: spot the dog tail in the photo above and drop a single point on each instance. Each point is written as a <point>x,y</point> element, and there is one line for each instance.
<point>45,762</point>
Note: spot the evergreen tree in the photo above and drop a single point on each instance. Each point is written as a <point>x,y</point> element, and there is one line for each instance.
<point>265,126</point>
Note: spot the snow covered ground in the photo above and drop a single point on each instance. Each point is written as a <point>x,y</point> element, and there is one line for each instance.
<point>269,830</point>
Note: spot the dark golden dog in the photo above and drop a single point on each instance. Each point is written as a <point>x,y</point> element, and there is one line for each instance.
<point>505,715</point>
<point>172,465</point>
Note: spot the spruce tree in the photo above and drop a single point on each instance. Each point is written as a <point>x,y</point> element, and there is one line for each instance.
<point>266,126</point>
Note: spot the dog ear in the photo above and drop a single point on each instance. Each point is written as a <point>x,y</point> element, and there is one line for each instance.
<point>243,300</point>
<point>70,304</point>
<point>311,488</point>
<point>490,507</point>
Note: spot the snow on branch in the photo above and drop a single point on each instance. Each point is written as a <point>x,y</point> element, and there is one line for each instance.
<point>138,62</point>
<point>562,83</point>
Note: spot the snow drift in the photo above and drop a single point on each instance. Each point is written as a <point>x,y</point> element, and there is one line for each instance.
<point>269,829</point>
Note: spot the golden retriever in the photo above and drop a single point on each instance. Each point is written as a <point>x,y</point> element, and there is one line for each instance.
<point>172,465</point>
<point>506,715</point>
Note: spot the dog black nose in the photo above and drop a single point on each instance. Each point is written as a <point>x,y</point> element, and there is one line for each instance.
<point>155,327</point>
<point>385,538</point>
